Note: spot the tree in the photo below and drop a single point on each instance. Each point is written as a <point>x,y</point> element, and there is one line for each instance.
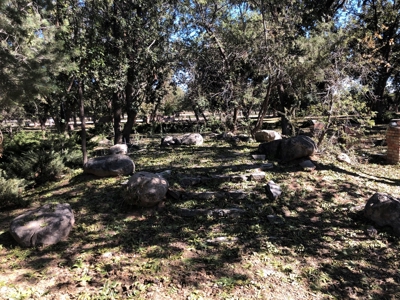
<point>28,52</point>
<point>376,26</point>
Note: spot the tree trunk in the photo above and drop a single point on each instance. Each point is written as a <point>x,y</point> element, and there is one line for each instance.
<point>235,118</point>
<point>128,126</point>
<point>131,111</point>
<point>82,119</point>
<point>116,106</point>
<point>380,104</point>
<point>263,110</point>
<point>284,103</point>
<point>153,116</point>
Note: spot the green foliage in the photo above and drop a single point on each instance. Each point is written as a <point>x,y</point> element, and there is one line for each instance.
<point>21,143</point>
<point>73,158</point>
<point>38,157</point>
<point>39,166</point>
<point>11,190</point>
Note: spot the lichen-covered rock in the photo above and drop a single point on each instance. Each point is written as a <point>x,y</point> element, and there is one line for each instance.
<point>110,165</point>
<point>384,210</point>
<point>146,189</point>
<point>289,149</point>
<point>46,225</point>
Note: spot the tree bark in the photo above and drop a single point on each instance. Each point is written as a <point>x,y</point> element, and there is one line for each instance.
<point>117,110</point>
<point>263,110</point>
<point>83,124</point>
<point>284,103</point>
<point>131,111</point>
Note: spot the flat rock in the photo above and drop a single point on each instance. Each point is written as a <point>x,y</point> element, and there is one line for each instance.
<point>257,176</point>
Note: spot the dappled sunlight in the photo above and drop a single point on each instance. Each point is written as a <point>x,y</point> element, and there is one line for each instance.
<point>313,236</point>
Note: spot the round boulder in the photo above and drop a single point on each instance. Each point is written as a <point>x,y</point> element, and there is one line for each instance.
<point>384,210</point>
<point>146,189</point>
<point>46,225</point>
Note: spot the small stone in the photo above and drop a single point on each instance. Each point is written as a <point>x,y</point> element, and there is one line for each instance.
<point>237,195</point>
<point>259,176</point>
<point>384,210</point>
<point>273,190</point>
<point>110,165</point>
<point>107,254</point>
<point>146,189</point>
<point>343,157</point>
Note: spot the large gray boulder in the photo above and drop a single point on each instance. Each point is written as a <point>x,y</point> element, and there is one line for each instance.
<point>146,189</point>
<point>265,136</point>
<point>289,149</point>
<point>384,210</point>
<point>110,165</point>
<point>46,225</point>
<point>195,139</point>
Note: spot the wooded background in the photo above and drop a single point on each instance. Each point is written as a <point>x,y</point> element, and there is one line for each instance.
<point>101,58</point>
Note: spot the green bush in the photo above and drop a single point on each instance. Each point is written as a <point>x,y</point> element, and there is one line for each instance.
<point>73,158</point>
<point>37,166</point>
<point>39,158</point>
<point>11,191</point>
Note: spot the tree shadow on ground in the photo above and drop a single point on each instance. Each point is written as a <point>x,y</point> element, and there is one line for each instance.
<point>143,248</point>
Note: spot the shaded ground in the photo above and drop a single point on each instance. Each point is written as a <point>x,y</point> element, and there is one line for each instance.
<point>316,247</point>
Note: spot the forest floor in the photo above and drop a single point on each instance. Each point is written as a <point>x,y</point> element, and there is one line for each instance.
<point>315,245</point>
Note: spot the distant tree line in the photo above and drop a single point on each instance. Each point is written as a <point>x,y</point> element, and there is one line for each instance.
<point>324,58</point>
